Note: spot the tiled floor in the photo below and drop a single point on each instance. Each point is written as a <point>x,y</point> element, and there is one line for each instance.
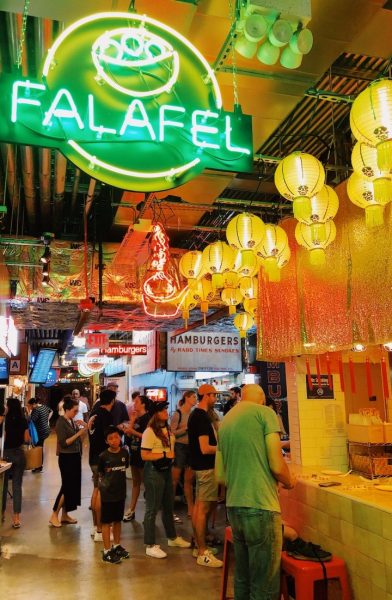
<point>39,562</point>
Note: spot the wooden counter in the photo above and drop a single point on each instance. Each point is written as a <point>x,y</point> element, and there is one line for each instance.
<point>354,521</point>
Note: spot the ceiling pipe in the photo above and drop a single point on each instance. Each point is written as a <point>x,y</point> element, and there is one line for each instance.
<point>44,185</point>
<point>28,184</point>
<point>90,196</point>
<point>75,190</point>
<point>8,153</point>
<point>12,30</point>
<point>60,168</point>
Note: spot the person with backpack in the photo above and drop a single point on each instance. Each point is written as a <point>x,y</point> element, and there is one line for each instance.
<point>40,415</point>
<point>179,428</point>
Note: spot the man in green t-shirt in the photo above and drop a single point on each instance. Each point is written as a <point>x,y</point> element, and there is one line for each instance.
<point>249,452</point>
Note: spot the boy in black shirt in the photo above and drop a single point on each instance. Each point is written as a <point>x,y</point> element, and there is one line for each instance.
<point>112,465</point>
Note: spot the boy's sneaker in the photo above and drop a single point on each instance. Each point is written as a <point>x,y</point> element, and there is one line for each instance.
<point>302,550</point>
<point>208,560</point>
<point>111,557</point>
<point>179,542</point>
<point>155,552</point>
<point>98,536</point>
<point>129,516</point>
<point>195,551</point>
<point>120,552</point>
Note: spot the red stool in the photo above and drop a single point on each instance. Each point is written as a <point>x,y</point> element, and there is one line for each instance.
<point>305,573</point>
<point>227,552</point>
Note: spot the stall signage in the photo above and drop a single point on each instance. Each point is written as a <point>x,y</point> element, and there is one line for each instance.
<point>125,350</point>
<point>97,340</point>
<point>145,363</point>
<point>204,351</point>
<point>273,379</point>
<point>131,102</point>
<point>320,390</point>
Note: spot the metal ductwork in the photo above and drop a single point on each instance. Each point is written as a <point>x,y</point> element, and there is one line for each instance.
<point>28,184</point>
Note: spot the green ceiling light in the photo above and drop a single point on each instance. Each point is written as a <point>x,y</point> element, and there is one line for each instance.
<point>289,59</point>
<point>244,47</point>
<point>268,54</point>
<point>255,28</point>
<point>280,33</point>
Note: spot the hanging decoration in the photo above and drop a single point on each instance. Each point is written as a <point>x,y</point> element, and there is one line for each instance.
<point>218,258</point>
<point>203,294</point>
<point>232,297</point>
<point>298,177</point>
<point>341,374</point>
<point>245,232</point>
<point>309,240</point>
<point>251,306</point>
<point>274,245</point>
<point>328,361</point>
<point>324,206</point>
<point>371,120</point>
<point>191,266</point>
<point>384,375</point>
<point>243,322</point>
<point>352,376</point>
<point>309,375</point>
<point>362,193</point>
<point>369,377</point>
<point>188,302</point>
<point>364,161</point>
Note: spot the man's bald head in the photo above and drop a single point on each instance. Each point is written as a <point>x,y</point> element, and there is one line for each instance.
<point>253,393</point>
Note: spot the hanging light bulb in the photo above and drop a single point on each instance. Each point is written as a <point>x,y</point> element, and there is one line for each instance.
<point>218,258</point>
<point>245,232</point>
<point>255,27</point>
<point>364,161</point>
<point>324,206</point>
<point>358,348</point>
<point>316,247</point>
<point>191,266</point>
<point>371,120</point>
<point>290,59</point>
<point>232,297</point>
<point>280,33</point>
<point>361,193</point>
<point>274,244</point>
<point>203,293</point>
<point>298,177</point>
<point>243,322</point>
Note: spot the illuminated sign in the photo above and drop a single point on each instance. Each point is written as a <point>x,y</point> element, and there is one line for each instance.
<point>91,363</point>
<point>97,340</point>
<point>131,102</point>
<point>125,350</point>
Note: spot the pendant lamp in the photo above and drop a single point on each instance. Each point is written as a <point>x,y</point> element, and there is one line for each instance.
<point>324,206</point>
<point>191,266</point>
<point>243,322</point>
<point>316,247</point>
<point>364,161</point>
<point>218,258</point>
<point>361,193</point>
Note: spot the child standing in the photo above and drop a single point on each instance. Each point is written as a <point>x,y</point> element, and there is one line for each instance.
<point>112,465</point>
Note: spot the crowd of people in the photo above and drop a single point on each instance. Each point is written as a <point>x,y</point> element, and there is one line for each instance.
<point>240,454</point>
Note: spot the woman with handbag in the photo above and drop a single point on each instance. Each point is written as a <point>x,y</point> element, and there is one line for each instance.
<point>16,434</point>
<point>157,451</point>
<point>69,445</point>
<point>135,429</point>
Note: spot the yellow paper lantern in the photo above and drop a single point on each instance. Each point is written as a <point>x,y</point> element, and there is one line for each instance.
<point>251,306</point>
<point>371,120</point>
<point>246,263</point>
<point>324,206</point>
<point>361,193</point>
<point>243,322</point>
<point>298,177</point>
<point>191,266</point>
<point>231,297</point>
<point>203,293</point>
<point>188,303</point>
<point>316,247</point>
<point>275,244</point>
<point>364,161</point>
<point>249,287</point>
<point>245,232</point>
<point>218,258</point>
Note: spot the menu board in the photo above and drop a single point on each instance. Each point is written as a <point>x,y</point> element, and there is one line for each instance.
<point>42,365</point>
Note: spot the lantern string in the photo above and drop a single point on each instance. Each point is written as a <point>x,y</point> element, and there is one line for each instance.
<point>22,34</point>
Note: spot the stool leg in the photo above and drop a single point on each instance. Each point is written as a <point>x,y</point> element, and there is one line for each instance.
<point>346,592</point>
<point>304,587</point>
<point>225,570</point>
<point>283,586</point>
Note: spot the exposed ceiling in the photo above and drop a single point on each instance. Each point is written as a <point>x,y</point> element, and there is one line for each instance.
<point>291,110</point>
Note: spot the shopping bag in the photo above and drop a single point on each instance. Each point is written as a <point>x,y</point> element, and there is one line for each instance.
<point>33,456</point>
<point>33,433</point>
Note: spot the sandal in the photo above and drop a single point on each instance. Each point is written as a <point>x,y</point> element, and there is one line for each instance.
<point>16,525</point>
<point>69,521</point>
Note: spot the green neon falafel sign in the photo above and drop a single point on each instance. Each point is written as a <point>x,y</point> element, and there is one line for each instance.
<point>129,101</point>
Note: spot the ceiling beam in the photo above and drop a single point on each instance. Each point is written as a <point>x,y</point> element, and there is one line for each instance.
<point>216,316</point>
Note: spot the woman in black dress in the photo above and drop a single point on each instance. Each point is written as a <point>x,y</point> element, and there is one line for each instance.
<point>16,434</point>
<point>137,425</point>
<point>69,446</point>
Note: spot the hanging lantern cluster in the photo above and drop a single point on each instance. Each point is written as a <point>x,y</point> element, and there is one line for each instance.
<point>370,186</point>
<point>300,178</point>
<point>231,269</point>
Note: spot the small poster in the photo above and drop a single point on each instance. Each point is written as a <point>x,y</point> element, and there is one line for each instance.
<point>320,390</point>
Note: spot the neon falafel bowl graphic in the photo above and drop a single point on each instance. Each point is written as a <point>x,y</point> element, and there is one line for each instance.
<point>132,103</point>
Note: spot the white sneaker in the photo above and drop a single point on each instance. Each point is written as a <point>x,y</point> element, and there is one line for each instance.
<point>211,549</point>
<point>179,542</point>
<point>93,531</point>
<point>98,536</point>
<point>155,551</point>
<point>208,560</point>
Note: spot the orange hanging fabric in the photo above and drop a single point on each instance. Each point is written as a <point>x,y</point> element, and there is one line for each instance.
<point>352,376</point>
<point>328,360</point>
<point>369,378</point>
<point>341,375</point>
<point>308,375</point>
<point>318,371</point>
